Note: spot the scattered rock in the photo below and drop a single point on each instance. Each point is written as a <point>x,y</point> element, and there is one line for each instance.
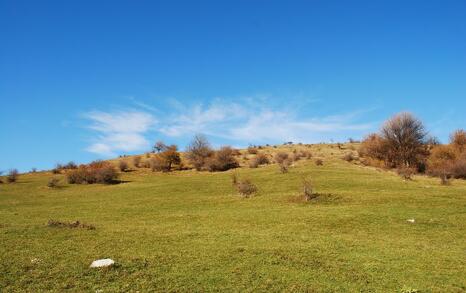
<point>412,221</point>
<point>102,263</point>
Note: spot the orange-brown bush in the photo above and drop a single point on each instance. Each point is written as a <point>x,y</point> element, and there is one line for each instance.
<point>406,173</point>
<point>374,147</point>
<point>123,166</point>
<point>165,160</point>
<point>458,140</point>
<point>199,151</point>
<point>136,161</point>
<point>280,157</point>
<point>95,172</point>
<point>319,162</point>
<point>259,159</point>
<point>402,142</point>
<point>222,160</point>
<point>245,187</point>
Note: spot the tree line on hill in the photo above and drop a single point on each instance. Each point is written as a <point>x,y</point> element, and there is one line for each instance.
<point>402,143</point>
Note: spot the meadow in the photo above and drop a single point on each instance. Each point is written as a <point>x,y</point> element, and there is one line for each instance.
<point>187,231</point>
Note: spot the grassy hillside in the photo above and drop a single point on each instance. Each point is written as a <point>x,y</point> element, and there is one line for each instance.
<point>190,231</point>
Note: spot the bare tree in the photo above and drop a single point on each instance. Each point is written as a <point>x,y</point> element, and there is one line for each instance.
<point>198,151</point>
<point>160,146</point>
<point>405,138</point>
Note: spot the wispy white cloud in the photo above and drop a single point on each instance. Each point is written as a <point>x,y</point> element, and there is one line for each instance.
<point>120,131</point>
<point>238,123</point>
<point>257,123</point>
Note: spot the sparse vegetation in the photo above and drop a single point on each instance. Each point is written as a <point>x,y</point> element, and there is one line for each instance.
<point>155,216</point>
<point>12,176</point>
<point>54,182</point>
<point>95,172</point>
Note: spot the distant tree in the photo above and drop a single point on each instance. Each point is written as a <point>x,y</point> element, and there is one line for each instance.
<point>170,156</point>
<point>405,138</point>
<point>160,146</point>
<point>198,151</point>
<point>12,176</point>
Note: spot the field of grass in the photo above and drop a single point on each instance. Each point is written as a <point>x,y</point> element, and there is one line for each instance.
<point>190,231</point>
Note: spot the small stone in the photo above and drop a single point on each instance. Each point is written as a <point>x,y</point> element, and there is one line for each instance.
<point>102,263</point>
<point>411,221</point>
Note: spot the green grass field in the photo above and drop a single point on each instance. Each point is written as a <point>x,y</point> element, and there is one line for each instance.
<point>190,231</point>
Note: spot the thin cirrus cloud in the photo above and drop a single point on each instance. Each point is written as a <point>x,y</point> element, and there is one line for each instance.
<point>120,131</point>
<point>127,131</point>
<point>258,124</point>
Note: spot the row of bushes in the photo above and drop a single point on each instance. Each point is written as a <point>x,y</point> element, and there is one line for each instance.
<point>404,144</point>
<point>95,172</point>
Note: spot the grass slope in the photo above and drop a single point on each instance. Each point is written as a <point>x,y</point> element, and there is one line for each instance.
<point>189,231</point>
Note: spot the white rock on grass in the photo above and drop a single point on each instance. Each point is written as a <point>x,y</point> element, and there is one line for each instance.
<point>411,221</point>
<point>102,263</point>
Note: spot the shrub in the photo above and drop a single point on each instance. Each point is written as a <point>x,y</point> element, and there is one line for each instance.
<point>319,162</point>
<point>33,170</point>
<point>252,150</point>
<point>406,172</point>
<point>259,159</point>
<point>308,190</point>
<point>440,161</point>
<point>123,166</point>
<point>165,160</point>
<point>458,140</point>
<point>284,165</point>
<point>458,168</point>
<point>136,161</point>
<point>246,188</point>
<point>280,157</point>
<point>53,182</point>
<point>222,160</point>
<point>234,179</point>
<point>12,176</point>
<point>348,157</point>
<point>95,172</point>
<point>198,151</point>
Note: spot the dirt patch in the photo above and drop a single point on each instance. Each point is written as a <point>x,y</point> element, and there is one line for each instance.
<point>76,224</point>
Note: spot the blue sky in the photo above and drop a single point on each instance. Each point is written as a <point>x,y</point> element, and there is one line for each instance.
<point>83,80</point>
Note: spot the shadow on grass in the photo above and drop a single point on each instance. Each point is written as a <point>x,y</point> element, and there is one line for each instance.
<point>323,198</point>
